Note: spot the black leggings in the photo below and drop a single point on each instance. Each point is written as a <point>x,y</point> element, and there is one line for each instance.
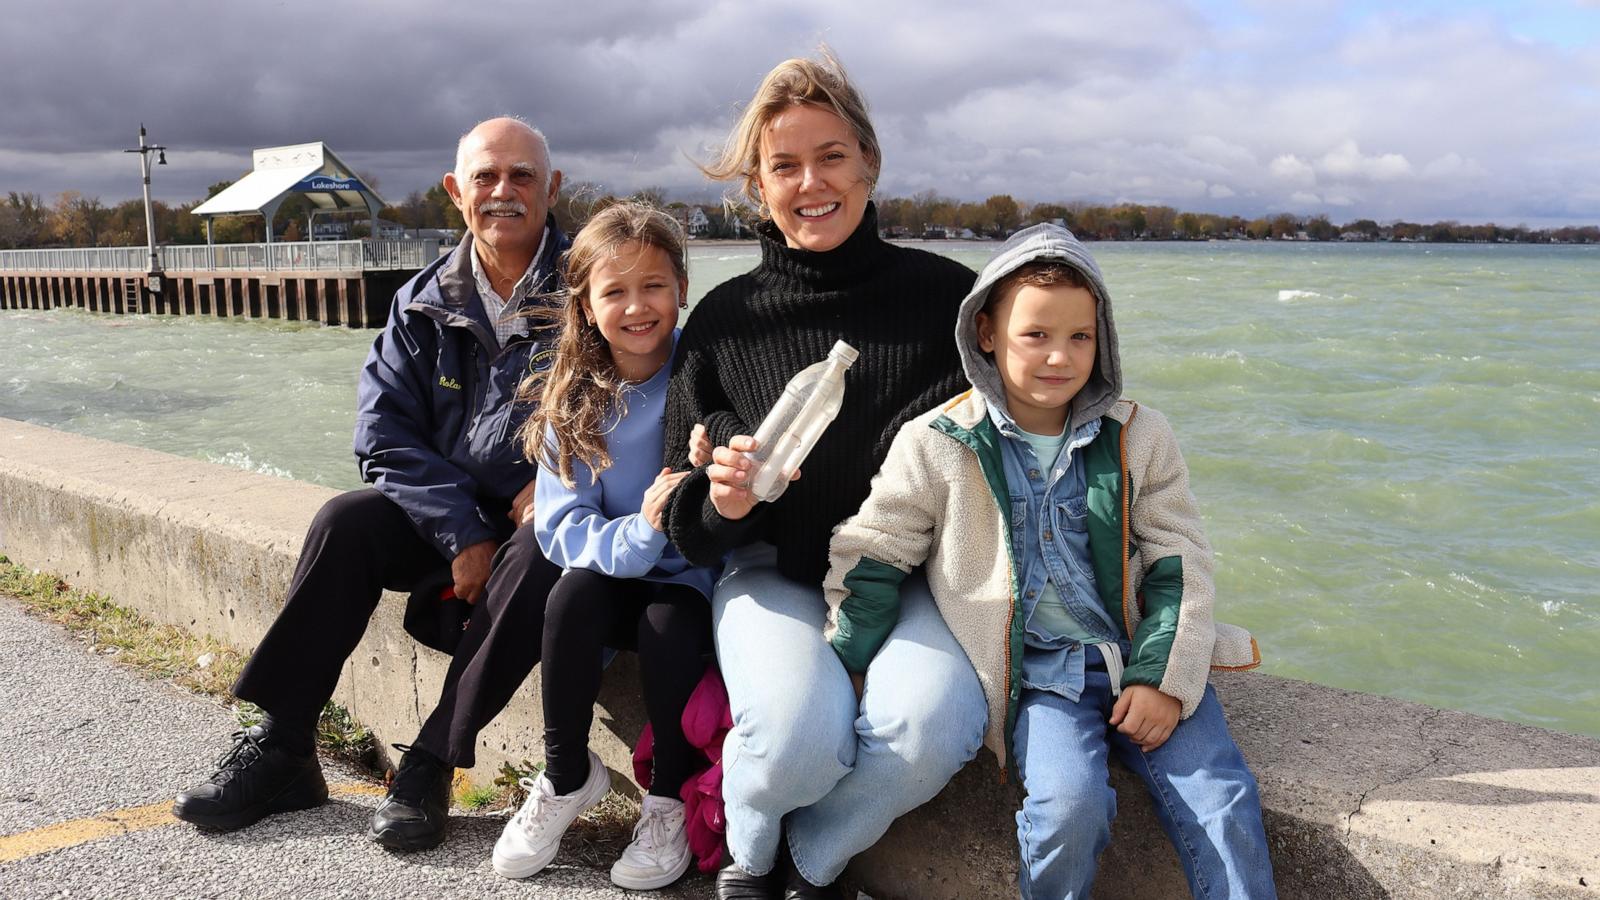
<point>670,627</point>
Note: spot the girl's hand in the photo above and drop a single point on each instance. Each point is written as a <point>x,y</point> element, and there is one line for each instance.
<point>655,496</point>
<point>1146,715</point>
<point>522,505</point>
<point>730,476</point>
<point>699,447</point>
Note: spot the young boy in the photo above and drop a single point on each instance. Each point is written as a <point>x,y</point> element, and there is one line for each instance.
<point>1065,552</point>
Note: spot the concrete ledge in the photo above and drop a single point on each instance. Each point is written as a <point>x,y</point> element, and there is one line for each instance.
<point>1364,796</point>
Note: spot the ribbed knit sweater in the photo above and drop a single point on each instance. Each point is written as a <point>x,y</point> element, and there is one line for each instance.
<point>752,333</point>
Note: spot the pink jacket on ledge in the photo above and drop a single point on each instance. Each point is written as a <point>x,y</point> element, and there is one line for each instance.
<point>706,720</point>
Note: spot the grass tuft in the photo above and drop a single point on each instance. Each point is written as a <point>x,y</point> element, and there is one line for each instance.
<point>478,798</point>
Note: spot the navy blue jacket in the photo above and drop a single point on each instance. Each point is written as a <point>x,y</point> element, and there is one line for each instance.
<point>435,422</point>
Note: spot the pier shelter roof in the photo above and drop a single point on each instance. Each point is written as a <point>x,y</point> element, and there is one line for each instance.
<point>310,169</point>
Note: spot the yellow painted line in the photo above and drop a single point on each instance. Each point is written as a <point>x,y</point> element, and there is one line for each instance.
<point>119,822</point>
<point>70,834</point>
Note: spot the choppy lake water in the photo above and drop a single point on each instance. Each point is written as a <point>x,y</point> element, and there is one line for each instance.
<point>1395,446</point>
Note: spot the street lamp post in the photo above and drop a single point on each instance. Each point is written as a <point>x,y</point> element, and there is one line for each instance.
<point>144,150</point>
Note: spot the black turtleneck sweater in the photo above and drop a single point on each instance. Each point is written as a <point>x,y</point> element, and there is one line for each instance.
<point>752,333</point>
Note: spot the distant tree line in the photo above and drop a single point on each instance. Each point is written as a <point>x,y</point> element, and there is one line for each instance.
<point>75,220</point>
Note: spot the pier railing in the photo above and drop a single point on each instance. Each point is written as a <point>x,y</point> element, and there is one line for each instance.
<point>284,256</point>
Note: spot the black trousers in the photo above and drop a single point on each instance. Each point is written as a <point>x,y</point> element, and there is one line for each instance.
<point>359,544</point>
<point>670,627</point>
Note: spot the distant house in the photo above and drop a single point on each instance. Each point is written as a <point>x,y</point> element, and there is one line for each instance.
<point>692,219</point>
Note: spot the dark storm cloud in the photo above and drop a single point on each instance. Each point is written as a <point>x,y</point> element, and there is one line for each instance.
<point>1244,107</point>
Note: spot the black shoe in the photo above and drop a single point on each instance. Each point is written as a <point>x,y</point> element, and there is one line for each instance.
<point>734,883</point>
<point>253,780</point>
<point>796,887</point>
<point>417,811</point>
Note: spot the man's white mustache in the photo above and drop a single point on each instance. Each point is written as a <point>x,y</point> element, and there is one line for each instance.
<point>502,206</point>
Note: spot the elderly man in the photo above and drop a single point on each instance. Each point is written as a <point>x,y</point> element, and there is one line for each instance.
<point>435,429</point>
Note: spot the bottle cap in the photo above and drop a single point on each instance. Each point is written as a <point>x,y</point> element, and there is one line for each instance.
<point>844,353</point>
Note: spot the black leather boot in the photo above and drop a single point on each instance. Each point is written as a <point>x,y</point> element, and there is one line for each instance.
<point>416,813</point>
<point>796,887</point>
<point>253,780</point>
<point>734,883</point>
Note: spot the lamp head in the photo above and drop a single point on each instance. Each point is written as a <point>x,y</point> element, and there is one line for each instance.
<point>161,157</point>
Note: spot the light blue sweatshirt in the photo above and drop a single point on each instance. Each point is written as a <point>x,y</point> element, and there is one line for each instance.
<point>597,524</point>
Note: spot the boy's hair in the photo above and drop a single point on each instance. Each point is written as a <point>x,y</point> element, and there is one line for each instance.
<point>578,394</point>
<point>794,82</point>
<point>1039,273</point>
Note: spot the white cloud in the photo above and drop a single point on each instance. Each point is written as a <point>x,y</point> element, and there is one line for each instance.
<point>1454,165</point>
<point>1220,192</point>
<point>1304,198</point>
<point>1347,161</point>
<point>1293,169</point>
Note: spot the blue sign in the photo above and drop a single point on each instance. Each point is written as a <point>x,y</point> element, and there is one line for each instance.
<point>329,183</point>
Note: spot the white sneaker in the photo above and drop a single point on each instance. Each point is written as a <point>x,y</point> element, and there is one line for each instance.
<point>532,837</point>
<point>659,854</point>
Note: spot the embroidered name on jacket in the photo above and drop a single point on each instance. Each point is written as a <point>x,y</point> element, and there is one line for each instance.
<point>451,383</point>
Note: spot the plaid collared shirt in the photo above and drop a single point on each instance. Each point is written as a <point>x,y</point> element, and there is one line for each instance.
<point>502,311</point>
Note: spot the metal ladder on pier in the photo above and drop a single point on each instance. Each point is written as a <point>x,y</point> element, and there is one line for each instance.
<point>130,295</point>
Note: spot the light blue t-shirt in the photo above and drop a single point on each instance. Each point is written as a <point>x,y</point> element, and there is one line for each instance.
<point>1050,615</point>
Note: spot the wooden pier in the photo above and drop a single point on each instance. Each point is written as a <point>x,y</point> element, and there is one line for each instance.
<point>349,283</point>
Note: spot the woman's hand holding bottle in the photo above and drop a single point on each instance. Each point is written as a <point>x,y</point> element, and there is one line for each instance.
<point>730,478</point>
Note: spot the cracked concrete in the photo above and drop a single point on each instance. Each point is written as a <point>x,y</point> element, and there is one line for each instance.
<point>1364,796</point>
<point>1433,760</point>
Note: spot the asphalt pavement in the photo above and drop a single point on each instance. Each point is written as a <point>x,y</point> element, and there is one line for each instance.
<point>91,754</point>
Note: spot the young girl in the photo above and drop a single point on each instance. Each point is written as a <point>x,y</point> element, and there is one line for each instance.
<point>597,437</point>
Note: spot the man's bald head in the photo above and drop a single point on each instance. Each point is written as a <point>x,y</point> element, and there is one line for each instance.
<point>499,127</point>
<point>504,186</point>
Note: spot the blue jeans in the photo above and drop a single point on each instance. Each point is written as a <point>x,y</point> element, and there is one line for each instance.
<point>806,758</point>
<point>1205,796</point>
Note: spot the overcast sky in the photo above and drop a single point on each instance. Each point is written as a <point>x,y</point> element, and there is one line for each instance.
<point>1424,110</point>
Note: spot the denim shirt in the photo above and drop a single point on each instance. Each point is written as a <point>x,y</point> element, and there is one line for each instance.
<point>1050,541</point>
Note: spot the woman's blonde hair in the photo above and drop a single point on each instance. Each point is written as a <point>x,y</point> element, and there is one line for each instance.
<point>794,82</point>
<point>578,394</point>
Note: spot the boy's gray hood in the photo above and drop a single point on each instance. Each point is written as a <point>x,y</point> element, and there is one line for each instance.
<point>1042,242</point>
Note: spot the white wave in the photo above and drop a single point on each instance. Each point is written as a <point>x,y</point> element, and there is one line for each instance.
<point>238,459</point>
<point>1552,607</point>
<point>1229,355</point>
<point>1291,296</point>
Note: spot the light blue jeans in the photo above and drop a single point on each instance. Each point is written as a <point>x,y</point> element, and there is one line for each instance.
<point>1205,796</point>
<point>804,758</point>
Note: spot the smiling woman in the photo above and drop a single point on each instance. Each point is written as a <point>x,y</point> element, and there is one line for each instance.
<point>827,769</point>
<point>814,179</point>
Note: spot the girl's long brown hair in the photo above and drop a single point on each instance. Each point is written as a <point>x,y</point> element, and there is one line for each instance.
<point>579,394</point>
